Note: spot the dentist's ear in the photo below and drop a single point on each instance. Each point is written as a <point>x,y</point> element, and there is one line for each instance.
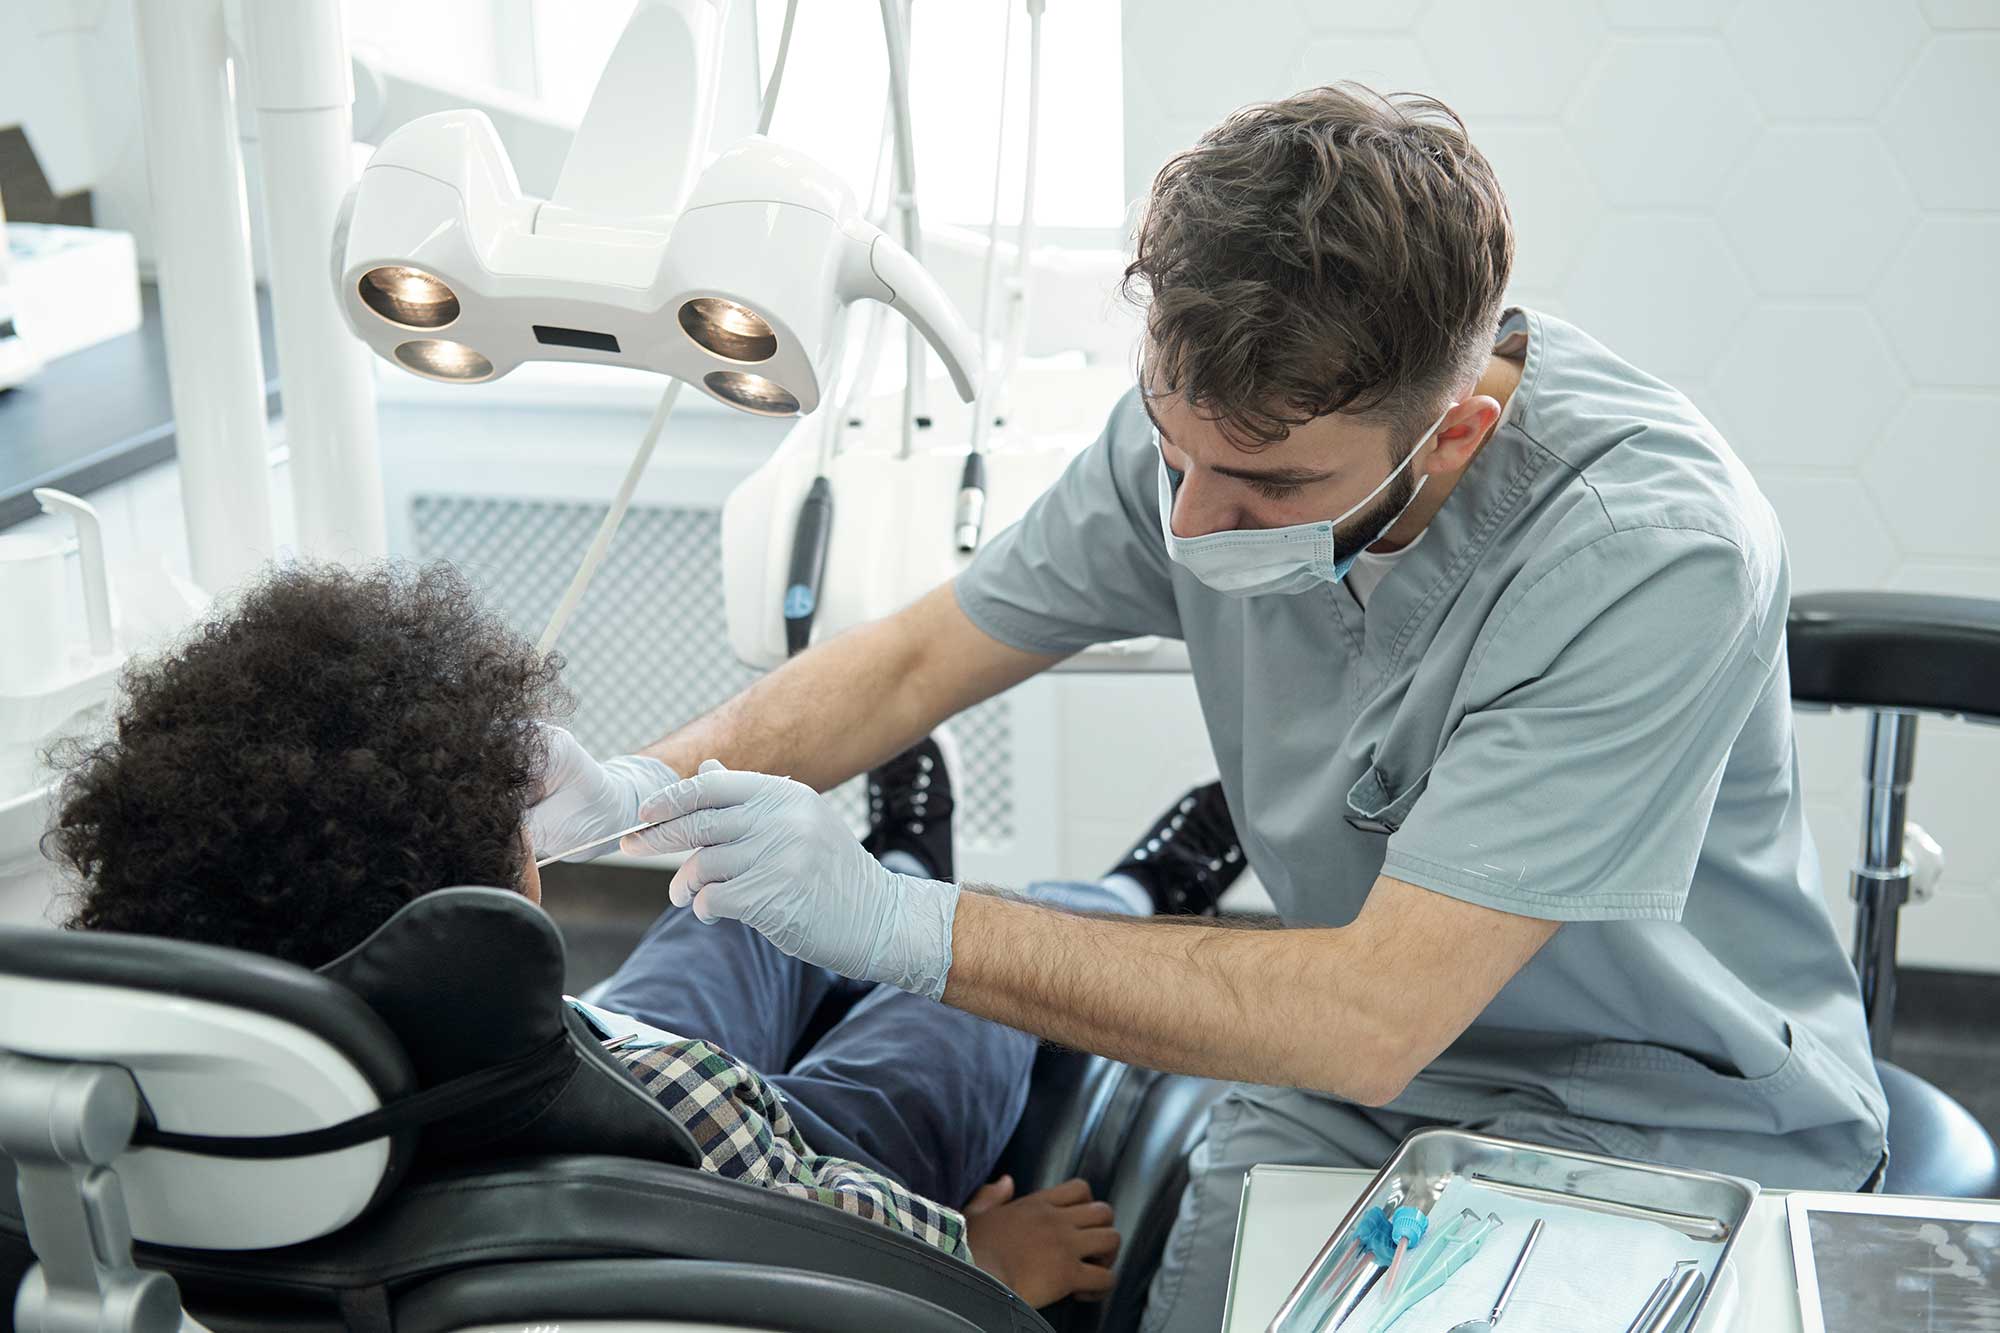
<point>876,268</point>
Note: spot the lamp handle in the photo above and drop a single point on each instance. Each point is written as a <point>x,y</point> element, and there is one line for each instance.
<point>881,270</point>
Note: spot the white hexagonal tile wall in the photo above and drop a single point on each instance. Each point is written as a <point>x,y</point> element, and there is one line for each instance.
<point>1953,578</point>
<point>1386,64</point>
<point>1663,121</point>
<point>1496,65</point>
<point>1963,13</point>
<point>1817,211</point>
<point>1236,65</point>
<point>1831,58</point>
<point>1661,291</point>
<point>1936,301</point>
<point>1554,205</point>
<point>1806,385</point>
<point>1317,15</point>
<point>1829,749</point>
<point>1835,538</point>
<point>1943,121</point>
<point>1652,14</point>
<point>1936,473</point>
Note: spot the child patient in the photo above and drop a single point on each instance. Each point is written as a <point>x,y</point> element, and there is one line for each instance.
<point>338,743</point>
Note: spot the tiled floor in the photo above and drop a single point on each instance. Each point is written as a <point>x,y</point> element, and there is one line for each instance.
<point>1944,1032</point>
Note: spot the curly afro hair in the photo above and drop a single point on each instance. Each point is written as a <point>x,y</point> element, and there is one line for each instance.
<point>333,745</point>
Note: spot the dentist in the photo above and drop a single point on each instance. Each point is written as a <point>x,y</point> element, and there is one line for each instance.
<point>1488,632</point>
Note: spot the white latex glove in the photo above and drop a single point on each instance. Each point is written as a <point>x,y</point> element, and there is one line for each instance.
<point>771,853</point>
<point>582,799</point>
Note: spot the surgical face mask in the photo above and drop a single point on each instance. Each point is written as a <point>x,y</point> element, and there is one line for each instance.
<point>1251,562</point>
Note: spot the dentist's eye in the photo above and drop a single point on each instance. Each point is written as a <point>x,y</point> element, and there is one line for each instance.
<point>1271,490</point>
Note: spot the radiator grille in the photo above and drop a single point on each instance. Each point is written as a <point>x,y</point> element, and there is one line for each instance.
<point>648,648</point>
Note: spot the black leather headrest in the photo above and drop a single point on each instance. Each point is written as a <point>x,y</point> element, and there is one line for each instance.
<point>470,978</point>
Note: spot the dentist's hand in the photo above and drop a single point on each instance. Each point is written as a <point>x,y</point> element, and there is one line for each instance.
<point>771,853</point>
<point>582,799</point>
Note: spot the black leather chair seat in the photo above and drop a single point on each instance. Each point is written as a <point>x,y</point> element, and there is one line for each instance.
<point>661,1289</point>
<point>541,1210</point>
<point>1935,1145</point>
<point>1128,1132</point>
<point>1896,650</point>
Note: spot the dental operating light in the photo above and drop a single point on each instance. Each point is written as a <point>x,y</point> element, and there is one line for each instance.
<point>448,269</point>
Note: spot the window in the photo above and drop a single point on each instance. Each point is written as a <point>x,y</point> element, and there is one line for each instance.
<point>836,86</point>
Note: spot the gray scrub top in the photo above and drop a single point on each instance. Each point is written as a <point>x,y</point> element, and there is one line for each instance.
<point>1569,701</point>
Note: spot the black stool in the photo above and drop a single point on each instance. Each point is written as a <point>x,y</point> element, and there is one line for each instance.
<point>1898,655</point>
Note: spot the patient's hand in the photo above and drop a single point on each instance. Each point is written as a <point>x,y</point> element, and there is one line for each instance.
<point>1054,1243</point>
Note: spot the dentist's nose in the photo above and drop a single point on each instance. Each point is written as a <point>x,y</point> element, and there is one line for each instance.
<point>1198,513</point>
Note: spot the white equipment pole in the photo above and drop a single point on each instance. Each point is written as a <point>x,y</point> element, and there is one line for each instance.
<point>302,83</point>
<point>202,240</point>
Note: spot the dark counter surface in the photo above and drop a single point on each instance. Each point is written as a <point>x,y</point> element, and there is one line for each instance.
<point>98,415</point>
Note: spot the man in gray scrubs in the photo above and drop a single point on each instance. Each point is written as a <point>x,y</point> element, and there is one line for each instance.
<point>1521,781</point>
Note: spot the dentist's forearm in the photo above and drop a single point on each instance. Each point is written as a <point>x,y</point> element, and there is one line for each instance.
<point>1356,1010</point>
<point>1256,1005</point>
<point>847,704</point>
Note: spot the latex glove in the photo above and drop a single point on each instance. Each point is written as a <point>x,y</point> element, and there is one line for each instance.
<point>583,799</point>
<point>771,853</point>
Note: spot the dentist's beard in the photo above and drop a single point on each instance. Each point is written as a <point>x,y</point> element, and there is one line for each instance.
<point>1365,528</point>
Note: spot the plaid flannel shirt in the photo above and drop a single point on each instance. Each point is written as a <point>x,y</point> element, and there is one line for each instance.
<point>744,1132</point>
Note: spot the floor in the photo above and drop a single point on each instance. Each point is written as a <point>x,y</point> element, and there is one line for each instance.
<point>1944,1031</point>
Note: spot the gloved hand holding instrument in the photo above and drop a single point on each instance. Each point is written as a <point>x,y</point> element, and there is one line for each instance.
<point>773,854</point>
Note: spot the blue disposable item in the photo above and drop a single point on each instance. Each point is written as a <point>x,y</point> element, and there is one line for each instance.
<point>1443,1257</point>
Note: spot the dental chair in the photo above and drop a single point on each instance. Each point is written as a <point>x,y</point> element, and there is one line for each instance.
<point>1898,655</point>
<point>419,1137</point>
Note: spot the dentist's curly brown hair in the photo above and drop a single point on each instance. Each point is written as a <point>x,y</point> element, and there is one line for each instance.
<point>330,745</point>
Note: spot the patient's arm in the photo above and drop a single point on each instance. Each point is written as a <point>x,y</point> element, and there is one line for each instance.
<point>845,705</point>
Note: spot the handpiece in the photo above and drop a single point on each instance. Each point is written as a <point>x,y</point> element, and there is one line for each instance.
<point>809,542</point>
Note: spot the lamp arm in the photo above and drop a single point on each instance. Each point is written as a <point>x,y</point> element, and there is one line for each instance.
<point>878,269</point>
<point>638,151</point>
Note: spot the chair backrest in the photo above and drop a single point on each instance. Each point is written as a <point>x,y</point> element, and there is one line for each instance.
<point>1896,651</point>
<point>227,1044</point>
<point>219,1042</point>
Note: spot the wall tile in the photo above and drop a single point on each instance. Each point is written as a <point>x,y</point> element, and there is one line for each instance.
<point>1943,122</point>
<point>1385,14</point>
<point>1555,206</point>
<point>1386,64</point>
<point>1494,64</point>
<point>1668,14</point>
<point>1817,211</point>
<point>1662,291</point>
<point>1663,121</point>
<point>1953,578</point>
<point>1936,473</point>
<point>1935,301</point>
<point>1836,540</point>
<point>1835,59</point>
<point>1771,386</point>
<point>1963,13</point>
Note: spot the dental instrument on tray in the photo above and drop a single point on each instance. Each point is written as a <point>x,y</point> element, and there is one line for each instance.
<point>1406,1227</point>
<point>1318,1303</point>
<point>1450,1250</point>
<point>1492,1321</point>
<point>1671,1294</point>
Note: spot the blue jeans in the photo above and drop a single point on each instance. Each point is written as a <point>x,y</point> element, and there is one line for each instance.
<point>924,1093</point>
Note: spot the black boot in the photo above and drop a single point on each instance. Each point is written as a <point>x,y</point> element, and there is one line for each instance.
<point>1189,857</point>
<point>909,808</point>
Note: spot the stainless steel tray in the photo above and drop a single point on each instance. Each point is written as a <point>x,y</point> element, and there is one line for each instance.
<point>1706,1207</point>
